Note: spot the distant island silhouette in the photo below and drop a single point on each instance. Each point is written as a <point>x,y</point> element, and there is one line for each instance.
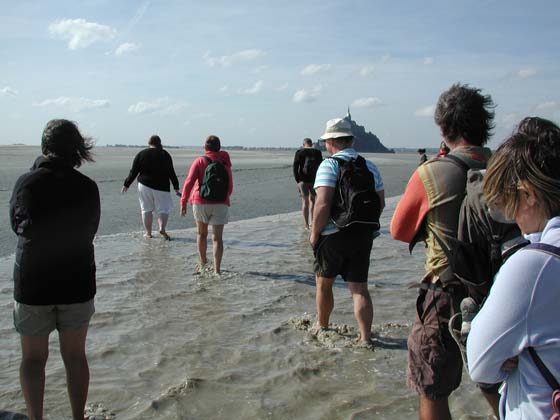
<point>365,142</point>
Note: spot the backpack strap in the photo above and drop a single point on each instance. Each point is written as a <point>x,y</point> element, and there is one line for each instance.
<point>207,159</point>
<point>337,159</point>
<point>554,251</point>
<point>546,248</point>
<point>543,369</point>
<point>457,161</point>
<point>446,276</point>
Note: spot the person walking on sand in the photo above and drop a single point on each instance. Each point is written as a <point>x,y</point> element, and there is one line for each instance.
<point>54,211</point>
<point>429,211</point>
<point>208,187</point>
<point>306,162</point>
<point>443,150</point>
<point>154,168</point>
<point>342,244</point>
<point>422,154</point>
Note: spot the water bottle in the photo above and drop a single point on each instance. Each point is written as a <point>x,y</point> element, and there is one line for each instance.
<point>469,309</point>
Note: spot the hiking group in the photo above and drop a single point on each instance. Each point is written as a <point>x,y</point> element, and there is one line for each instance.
<point>208,187</point>
<point>491,226</point>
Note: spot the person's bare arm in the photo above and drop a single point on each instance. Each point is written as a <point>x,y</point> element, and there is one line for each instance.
<point>321,213</point>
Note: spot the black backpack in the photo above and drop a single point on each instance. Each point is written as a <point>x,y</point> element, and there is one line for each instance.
<point>355,199</point>
<point>483,243</point>
<point>310,165</point>
<point>215,184</point>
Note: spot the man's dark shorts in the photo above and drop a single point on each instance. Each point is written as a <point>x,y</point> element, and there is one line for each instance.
<point>306,189</point>
<point>346,252</point>
<point>434,359</point>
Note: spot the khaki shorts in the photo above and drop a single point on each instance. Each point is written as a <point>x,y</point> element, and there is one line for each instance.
<point>211,214</point>
<point>41,320</point>
<point>306,189</point>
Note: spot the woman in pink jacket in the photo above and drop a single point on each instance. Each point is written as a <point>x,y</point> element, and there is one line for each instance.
<point>208,187</point>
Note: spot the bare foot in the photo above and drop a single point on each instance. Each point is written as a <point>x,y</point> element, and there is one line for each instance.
<point>147,235</point>
<point>201,267</point>
<point>165,235</point>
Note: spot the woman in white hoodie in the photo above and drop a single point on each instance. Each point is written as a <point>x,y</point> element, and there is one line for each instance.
<point>521,312</point>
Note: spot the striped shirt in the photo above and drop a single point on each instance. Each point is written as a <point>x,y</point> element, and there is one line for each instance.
<point>327,174</point>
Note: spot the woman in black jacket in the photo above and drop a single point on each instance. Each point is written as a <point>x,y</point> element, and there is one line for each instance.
<point>55,211</point>
<point>154,168</point>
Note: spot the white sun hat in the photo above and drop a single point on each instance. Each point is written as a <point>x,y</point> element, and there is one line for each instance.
<point>337,127</point>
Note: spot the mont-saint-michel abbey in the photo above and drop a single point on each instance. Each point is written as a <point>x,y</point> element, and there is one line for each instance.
<point>364,142</point>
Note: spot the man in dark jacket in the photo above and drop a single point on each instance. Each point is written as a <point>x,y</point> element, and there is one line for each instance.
<point>55,211</point>
<point>306,162</point>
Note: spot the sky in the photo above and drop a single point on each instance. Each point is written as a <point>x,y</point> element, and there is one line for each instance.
<point>269,73</point>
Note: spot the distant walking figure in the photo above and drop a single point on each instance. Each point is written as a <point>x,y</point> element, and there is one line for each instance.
<point>306,162</point>
<point>154,168</point>
<point>54,210</point>
<point>443,150</point>
<point>423,157</point>
<point>208,187</point>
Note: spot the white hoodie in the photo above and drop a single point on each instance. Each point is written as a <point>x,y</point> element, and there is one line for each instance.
<point>522,310</point>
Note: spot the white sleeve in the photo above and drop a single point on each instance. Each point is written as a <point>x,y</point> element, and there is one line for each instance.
<point>499,330</point>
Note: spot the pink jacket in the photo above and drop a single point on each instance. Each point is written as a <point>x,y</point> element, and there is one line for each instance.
<point>191,188</point>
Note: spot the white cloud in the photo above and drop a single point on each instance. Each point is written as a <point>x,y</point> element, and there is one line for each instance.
<point>427,111</point>
<point>260,69</point>
<point>282,87</point>
<point>428,61</point>
<point>137,17</point>
<point>312,69</point>
<point>224,89</point>
<point>126,48</point>
<point>304,95</point>
<point>75,104</point>
<point>527,72</point>
<point>367,71</point>
<point>235,58</point>
<point>7,90</point>
<point>548,105</point>
<point>80,33</point>
<point>510,120</point>
<point>256,88</point>
<point>160,106</point>
<point>143,107</point>
<point>174,109</point>
<point>366,102</point>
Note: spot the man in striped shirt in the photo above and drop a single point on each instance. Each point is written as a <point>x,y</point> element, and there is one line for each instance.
<point>344,252</point>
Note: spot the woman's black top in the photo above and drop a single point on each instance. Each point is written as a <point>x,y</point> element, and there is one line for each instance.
<point>55,212</point>
<point>154,168</point>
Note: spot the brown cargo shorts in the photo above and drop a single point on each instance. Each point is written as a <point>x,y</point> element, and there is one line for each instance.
<point>434,359</point>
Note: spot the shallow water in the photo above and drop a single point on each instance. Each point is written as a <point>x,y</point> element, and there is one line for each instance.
<point>263,184</point>
<point>168,344</point>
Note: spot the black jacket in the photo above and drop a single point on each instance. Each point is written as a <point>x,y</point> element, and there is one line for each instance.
<point>313,157</point>
<point>155,167</point>
<point>55,211</point>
